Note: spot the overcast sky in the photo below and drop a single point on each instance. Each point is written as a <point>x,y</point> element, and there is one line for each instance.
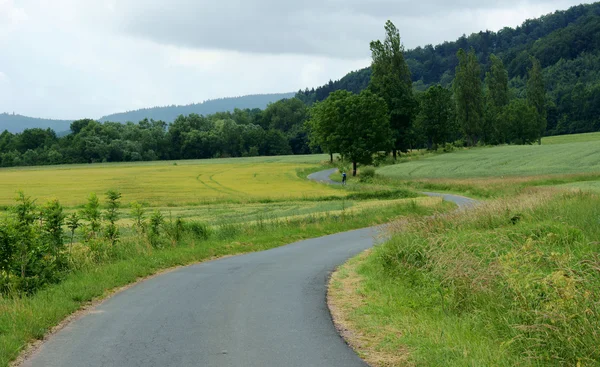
<point>88,58</point>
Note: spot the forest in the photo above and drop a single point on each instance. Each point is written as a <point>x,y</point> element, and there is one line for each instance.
<point>566,43</point>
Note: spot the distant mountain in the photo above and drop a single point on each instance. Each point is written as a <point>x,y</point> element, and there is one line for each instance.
<point>170,113</point>
<point>17,123</point>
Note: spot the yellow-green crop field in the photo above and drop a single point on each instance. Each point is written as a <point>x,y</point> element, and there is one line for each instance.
<point>170,184</point>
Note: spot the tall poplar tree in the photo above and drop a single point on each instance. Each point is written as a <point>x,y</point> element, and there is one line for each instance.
<point>391,80</point>
<point>536,95</point>
<point>468,94</point>
<point>497,98</point>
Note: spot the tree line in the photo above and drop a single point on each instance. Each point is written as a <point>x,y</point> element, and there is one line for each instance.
<point>277,130</point>
<point>389,116</point>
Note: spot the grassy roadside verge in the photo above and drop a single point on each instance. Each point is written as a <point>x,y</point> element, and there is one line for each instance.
<point>512,283</point>
<point>480,188</point>
<point>23,320</point>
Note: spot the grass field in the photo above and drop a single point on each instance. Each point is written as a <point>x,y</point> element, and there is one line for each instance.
<point>217,214</point>
<point>173,184</point>
<point>592,186</point>
<point>575,138</point>
<point>529,160</point>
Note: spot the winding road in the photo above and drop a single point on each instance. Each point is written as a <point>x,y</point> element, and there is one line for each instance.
<point>259,309</point>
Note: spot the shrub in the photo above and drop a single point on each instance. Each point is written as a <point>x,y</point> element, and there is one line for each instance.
<point>91,213</point>
<point>156,221</point>
<point>198,229</point>
<point>459,143</point>
<point>113,203</point>
<point>174,229</point>
<point>138,213</point>
<point>383,159</point>
<point>367,174</point>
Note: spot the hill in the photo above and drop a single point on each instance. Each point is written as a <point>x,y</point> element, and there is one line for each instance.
<point>567,43</point>
<point>17,123</point>
<point>170,113</point>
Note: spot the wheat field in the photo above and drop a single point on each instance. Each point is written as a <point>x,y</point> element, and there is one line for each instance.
<point>170,184</point>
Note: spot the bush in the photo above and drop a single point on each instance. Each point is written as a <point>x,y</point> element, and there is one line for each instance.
<point>198,229</point>
<point>448,148</point>
<point>367,174</point>
<point>383,159</point>
<point>459,143</point>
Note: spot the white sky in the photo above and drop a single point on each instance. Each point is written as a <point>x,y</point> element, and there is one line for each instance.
<point>88,58</point>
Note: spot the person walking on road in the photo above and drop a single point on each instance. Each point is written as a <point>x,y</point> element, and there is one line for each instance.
<point>343,178</point>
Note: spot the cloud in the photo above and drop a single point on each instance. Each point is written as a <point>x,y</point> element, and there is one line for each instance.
<point>333,28</point>
<point>74,58</point>
<point>11,17</point>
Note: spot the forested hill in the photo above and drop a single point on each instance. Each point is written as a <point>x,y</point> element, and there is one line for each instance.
<point>170,113</point>
<point>17,123</point>
<point>567,43</point>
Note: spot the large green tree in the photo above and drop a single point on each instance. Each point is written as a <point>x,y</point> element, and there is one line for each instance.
<point>356,126</point>
<point>521,120</point>
<point>436,118</point>
<point>391,80</point>
<point>536,95</point>
<point>324,122</point>
<point>365,128</point>
<point>468,94</point>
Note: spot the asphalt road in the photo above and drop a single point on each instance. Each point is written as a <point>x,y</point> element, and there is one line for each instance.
<point>323,176</point>
<point>260,309</point>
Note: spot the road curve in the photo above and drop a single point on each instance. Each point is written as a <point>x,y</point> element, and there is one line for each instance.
<point>260,309</point>
<point>323,176</point>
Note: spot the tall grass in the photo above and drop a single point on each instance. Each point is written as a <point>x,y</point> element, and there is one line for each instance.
<point>512,283</point>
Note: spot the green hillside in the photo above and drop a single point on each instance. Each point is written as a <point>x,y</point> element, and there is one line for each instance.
<point>567,43</point>
<point>170,113</point>
<point>17,123</point>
